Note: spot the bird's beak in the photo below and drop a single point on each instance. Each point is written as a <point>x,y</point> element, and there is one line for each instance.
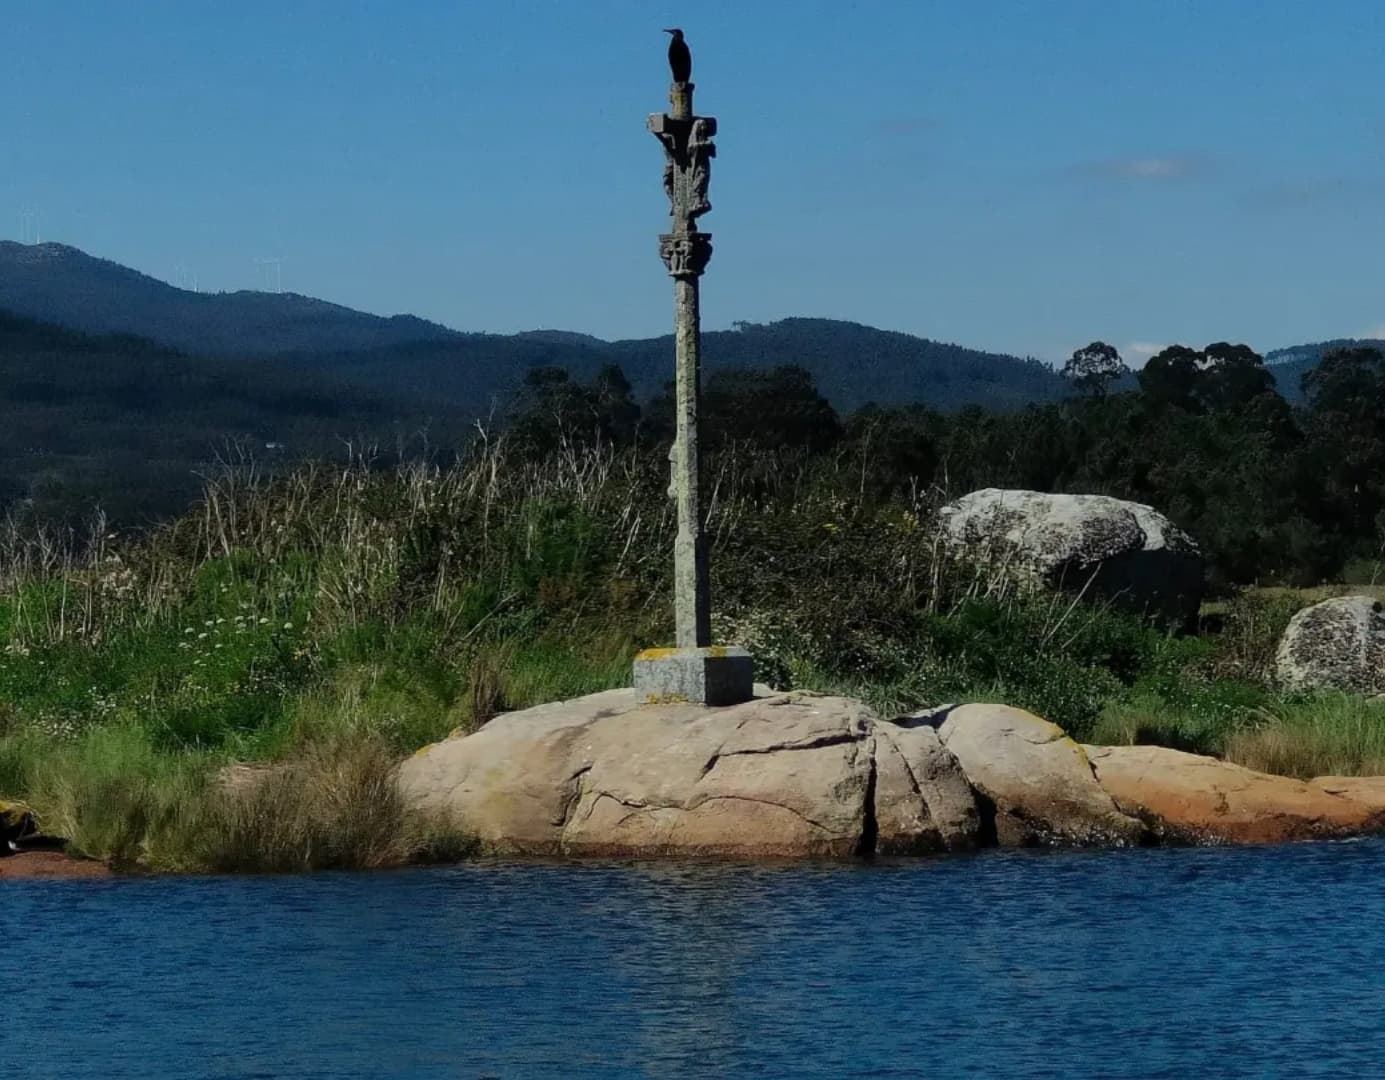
<point>667,30</point>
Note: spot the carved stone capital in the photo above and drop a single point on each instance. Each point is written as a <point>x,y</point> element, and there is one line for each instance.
<point>685,254</point>
<point>688,151</point>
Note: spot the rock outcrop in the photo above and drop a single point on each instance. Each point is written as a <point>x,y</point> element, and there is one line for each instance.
<point>808,775</point>
<point>783,775</point>
<point>1037,784</point>
<point>1124,552</point>
<point>1338,644</point>
<point>1186,798</point>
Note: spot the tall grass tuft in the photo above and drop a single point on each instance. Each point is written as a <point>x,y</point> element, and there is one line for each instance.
<point>112,792</point>
<point>1332,735</point>
<point>335,807</point>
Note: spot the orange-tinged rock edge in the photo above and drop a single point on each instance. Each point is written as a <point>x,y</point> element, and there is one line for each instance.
<point>1187,798</point>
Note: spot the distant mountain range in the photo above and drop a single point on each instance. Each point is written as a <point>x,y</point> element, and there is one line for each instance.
<point>127,424</point>
<point>852,364</point>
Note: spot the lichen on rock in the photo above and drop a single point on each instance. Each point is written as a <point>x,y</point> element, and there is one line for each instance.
<point>1338,644</point>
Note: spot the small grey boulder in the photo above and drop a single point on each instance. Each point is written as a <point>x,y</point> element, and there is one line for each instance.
<point>1338,644</point>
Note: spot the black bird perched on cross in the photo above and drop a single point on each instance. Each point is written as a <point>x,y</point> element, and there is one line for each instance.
<point>679,58</point>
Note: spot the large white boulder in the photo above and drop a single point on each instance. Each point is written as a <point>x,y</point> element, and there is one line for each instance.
<point>1102,547</point>
<point>1338,644</point>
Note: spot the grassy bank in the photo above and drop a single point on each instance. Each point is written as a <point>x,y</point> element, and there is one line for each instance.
<point>319,626</point>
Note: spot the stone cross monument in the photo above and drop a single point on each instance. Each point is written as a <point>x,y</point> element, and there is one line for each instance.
<point>694,671</point>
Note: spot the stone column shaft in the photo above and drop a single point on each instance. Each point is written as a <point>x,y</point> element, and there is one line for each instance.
<point>691,603</point>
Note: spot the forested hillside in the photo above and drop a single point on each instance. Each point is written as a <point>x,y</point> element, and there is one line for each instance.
<point>853,365</point>
<point>126,425</point>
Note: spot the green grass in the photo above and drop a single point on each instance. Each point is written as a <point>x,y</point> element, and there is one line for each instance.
<point>113,791</point>
<point>119,796</point>
<point>334,806</point>
<point>129,776</point>
<point>1330,735</point>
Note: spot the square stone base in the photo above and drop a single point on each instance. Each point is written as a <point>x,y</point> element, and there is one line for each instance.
<point>714,675</point>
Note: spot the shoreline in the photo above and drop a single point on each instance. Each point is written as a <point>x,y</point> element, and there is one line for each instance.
<point>26,867</point>
<point>52,866</point>
<point>784,778</point>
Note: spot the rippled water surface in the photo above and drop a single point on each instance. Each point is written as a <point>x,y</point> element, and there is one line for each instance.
<point>1181,963</point>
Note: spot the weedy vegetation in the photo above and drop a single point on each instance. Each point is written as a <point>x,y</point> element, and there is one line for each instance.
<point>231,690</point>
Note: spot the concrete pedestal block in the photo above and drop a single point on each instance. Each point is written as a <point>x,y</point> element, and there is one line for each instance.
<point>713,675</point>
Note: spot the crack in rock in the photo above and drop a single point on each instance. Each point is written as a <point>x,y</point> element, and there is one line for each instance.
<point>870,826</point>
<point>637,807</point>
<point>763,802</point>
<point>904,760</point>
<point>814,743</point>
<point>573,797</point>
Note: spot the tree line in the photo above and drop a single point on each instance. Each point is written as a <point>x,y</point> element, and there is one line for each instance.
<point>1272,492</point>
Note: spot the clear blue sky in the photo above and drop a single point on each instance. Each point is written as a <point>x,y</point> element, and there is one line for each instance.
<point>1016,176</point>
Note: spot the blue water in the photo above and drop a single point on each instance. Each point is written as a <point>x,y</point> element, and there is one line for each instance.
<point>1170,963</point>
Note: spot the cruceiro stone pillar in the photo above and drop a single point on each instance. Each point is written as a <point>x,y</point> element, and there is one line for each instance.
<point>695,670</point>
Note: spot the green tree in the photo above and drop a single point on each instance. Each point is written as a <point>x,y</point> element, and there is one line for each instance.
<point>1093,368</point>
<point>1349,384</point>
<point>1345,475</point>
<point>771,409</point>
<point>1170,378</point>
<point>553,408</point>
<point>617,411</point>
<point>1220,378</point>
<point>1231,377</point>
